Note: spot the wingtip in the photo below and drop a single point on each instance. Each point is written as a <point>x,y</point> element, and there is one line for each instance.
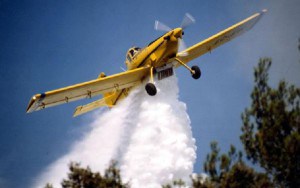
<point>33,103</point>
<point>29,107</point>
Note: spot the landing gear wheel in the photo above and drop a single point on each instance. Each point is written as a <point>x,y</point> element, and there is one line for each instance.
<point>197,72</point>
<point>151,89</point>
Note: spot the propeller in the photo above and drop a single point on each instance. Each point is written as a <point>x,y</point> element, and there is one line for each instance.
<point>187,20</point>
<point>182,47</point>
<point>159,26</point>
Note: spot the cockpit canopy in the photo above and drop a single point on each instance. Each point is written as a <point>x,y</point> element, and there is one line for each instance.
<point>132,52</point>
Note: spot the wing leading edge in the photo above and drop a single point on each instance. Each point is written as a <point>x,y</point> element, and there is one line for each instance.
<point>220,38</point>
<point>88,89</point>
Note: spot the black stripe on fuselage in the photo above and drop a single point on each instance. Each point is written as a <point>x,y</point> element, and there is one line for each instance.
<point>142,63</point>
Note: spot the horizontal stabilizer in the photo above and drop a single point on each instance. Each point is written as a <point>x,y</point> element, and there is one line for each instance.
<point>89,107</point>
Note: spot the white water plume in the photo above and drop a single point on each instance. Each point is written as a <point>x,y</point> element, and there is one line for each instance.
<point>150,137</point>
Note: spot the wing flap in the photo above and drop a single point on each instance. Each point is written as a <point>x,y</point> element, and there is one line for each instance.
<point>218,39</point>
<point>88,89</point>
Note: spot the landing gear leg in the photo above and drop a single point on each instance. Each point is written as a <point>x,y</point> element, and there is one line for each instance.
<point>195,70</point>
<point>150,87</point>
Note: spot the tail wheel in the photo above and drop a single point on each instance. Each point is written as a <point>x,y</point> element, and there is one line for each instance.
<point>197,72</point>
<point>151,89</point>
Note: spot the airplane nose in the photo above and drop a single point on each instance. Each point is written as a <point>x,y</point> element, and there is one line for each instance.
<point>178,33</point>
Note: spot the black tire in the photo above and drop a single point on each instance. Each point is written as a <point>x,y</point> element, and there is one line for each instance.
<point>197,71</point>
<point>151,89</point>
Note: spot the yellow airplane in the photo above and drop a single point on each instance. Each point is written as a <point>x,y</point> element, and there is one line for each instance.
<point>159,59</point>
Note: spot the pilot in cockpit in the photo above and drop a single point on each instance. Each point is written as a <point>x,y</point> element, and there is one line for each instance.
<point>131,53</point>
<point>134,51</point>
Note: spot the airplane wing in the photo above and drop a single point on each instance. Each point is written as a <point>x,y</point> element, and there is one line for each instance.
<point>218,39</point>
<point>88,89</point>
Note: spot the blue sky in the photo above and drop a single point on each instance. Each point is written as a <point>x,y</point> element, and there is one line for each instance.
<point>51,44</point>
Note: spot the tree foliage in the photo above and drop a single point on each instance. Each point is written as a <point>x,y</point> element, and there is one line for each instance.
<point>229,170</point>
<point>271,128</point>
<point>176,183</point>
<point>84,177</point>
<point>79,177</point>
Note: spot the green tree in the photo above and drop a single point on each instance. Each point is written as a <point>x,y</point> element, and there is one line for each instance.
<point>79,177</point>
<point>229,170</point>
<point>176,183</point>
<point>271,128</point>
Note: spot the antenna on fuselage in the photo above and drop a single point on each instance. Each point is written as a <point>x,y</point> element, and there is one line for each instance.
<point>122,69</point>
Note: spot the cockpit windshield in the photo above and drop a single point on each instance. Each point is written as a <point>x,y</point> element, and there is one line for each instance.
<point>132,52</point>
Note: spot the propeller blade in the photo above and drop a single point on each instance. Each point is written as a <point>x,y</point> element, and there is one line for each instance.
<point>187,20</point>
<point>182,47</point>
<point>161,27</point>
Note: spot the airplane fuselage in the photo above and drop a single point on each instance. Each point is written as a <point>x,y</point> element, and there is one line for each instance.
<point>156,54</point>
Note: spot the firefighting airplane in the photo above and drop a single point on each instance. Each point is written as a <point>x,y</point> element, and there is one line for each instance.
<point>159,59</point>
